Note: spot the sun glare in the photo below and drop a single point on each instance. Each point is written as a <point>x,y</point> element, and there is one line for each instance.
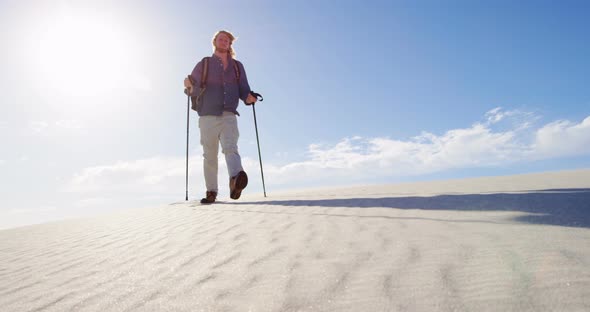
<point>81,54</point>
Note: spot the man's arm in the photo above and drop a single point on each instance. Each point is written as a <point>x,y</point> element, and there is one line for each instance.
<point>194,83</point>
<point>244,87</point>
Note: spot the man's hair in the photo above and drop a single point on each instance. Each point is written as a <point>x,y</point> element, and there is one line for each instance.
<point>231,41</point>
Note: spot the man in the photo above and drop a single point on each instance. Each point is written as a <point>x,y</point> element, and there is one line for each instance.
<point>217,103</point>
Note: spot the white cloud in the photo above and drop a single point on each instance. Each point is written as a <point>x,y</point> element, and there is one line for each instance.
<point>152,174</point>
<point>495,115</point>
<point>510,120</point>
<point>562,138</point>
<point>69,124</point>
<point>49,128</point>
<point>31,210</point>
<point>38,126</point>
<point>503,138</point>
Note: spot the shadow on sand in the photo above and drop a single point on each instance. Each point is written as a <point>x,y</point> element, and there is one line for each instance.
<point>563,207</point>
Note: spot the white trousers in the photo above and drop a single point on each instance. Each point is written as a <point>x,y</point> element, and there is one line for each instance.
<point>214,130</point>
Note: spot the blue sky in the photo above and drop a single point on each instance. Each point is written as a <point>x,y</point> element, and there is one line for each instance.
<point>94,118</point>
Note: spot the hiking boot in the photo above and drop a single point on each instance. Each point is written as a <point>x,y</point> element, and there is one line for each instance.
<point>237,184</point>
<point>209,198</point>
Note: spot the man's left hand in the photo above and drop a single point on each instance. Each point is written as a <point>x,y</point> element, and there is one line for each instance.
<point>251,99</point>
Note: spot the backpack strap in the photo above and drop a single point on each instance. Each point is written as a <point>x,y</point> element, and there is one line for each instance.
<point>205,61</point>
<point>237,70</point>
<point>203,84</point>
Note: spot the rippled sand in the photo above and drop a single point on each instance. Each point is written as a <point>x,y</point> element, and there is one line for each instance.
<point>518,243</point>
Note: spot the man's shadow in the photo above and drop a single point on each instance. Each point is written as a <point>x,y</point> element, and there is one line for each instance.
<point>563,207</point>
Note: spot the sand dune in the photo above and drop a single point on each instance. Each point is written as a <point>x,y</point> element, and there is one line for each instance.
<point>519,243</point>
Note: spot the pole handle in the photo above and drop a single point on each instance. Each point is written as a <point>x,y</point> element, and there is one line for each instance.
<point>258,97</point>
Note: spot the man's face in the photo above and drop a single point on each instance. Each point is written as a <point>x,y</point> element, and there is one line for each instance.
<point>222,42</point>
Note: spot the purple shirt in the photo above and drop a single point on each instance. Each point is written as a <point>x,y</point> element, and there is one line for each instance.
<point>222,90</point>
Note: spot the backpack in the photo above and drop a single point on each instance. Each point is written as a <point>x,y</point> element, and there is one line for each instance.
<point>203,85</point>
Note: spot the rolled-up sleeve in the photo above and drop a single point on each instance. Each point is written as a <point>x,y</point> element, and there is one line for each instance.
<point>196,78</point>
<point>244,87</point>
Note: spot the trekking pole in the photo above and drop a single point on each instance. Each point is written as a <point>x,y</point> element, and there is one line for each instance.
<point>258,96</point>
<point>188,110</point>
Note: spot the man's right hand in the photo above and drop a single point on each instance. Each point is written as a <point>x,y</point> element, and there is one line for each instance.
<point>188,85</point>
